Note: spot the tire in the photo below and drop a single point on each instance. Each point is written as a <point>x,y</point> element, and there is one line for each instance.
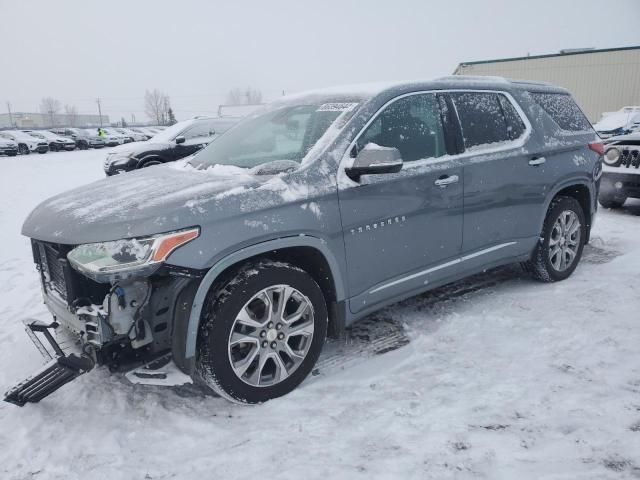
<point>150,163</point>
<point>12,154</point>
<point>611,202</point>
<point>23,149</point>
<point>250,372</point>
<point>544,265</point>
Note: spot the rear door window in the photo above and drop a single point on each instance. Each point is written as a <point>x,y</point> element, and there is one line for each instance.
<point>563,110</point>
<point>487,118</point>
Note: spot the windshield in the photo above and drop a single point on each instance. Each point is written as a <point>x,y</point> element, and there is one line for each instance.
<point>171,132</point>
<point>285,133</point>
<point>40,135</point>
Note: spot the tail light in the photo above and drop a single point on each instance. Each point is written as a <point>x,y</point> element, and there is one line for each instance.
<point>597,147</point>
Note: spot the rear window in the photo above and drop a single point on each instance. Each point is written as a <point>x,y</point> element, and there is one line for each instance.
<point>563,110</point>
<point>487,118</point>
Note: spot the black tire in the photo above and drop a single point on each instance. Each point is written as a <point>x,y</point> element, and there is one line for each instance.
<point>83,146</point>
<point>23,149</point>
<point>12,154</point>
<point>221,308</point>
<point>150,163</point>
<point>540,266</point>
<point>611,202</point>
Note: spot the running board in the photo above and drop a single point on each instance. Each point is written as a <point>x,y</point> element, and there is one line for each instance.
<point>60,370</point>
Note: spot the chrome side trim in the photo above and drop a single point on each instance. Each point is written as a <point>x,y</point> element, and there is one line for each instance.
<point>441,266</point>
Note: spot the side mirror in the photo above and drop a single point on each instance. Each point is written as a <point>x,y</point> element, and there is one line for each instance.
<point>374,159</point>
<point>212,132</point>
<point>180,140</point>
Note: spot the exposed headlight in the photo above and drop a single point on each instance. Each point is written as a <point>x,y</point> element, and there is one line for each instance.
<point>106,261</point>
<point>612,156</point>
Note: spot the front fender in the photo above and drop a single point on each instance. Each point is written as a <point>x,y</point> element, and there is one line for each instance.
<point>193,324</point>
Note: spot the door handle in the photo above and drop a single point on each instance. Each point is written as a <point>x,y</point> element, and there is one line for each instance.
<point>534,162</point>
<point>442,182</point>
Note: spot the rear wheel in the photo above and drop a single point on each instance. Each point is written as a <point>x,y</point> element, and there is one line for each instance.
<point>611,202</point>
<point>261,332</point>
<point>559,250</point>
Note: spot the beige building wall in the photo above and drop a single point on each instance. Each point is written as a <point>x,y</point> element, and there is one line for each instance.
<point>600,81</point>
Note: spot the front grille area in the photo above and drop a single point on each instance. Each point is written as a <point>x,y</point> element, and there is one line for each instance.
<point>630,158</point>
<point>60,279</point>
<point>56,269</point>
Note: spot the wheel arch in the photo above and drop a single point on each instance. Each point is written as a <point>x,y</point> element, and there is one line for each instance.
<point>583,192</point>
<point>305,251</point>
<point>149,158</point>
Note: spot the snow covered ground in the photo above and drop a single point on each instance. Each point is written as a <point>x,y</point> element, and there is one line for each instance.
<point>502,378</point>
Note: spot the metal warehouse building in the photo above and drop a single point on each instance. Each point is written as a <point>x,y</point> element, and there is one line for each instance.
<point>44,120</point>
<point>600,80</point>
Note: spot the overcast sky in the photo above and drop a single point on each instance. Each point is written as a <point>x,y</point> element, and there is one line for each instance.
<point>196,51</point>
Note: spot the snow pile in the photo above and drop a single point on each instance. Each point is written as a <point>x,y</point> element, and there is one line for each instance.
<point>502,378</point>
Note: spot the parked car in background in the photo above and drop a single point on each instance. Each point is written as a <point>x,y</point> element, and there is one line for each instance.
<point>306,217</point>
<point>84,138</point>
<point>142,131</point>
<point>621,171</point>
<point>625,120</point>
<point>8,147</point>
<point>112,138</point>
<point>56,142</point>
<point>176,142</point>
<point>133,135</point>
<point>26,143</point>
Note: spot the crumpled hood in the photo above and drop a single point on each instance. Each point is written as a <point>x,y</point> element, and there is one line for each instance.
<point>144,202</point>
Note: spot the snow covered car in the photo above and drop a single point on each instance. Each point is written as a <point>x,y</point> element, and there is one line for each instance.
<point>132,135</point>
<point>113,139</point>
<point>26,143</point>
<point>84,138</point>
<point>625,120</point>
<point>8,147</point>
<point>56,142</point>
<point>232,266</point>
<point>621,171</point>
<point>176,142</point>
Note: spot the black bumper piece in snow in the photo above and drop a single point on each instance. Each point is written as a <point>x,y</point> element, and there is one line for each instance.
<point>60,370</point>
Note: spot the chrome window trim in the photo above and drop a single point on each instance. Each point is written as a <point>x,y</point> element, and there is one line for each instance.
<point>480,150</point>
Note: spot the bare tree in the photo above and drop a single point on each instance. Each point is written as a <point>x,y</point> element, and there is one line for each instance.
<point>50,106</point>
<point>248,96</point>
<point>156,106</point>
<point>253,96</point>
<point>72,114</point>
<point>235,97</point>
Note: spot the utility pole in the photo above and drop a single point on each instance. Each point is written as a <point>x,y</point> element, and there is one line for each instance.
<point>10,116</point>
<point>133,119</point>
<point>99,111</point>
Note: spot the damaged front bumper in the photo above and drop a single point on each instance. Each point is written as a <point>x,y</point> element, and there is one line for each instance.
<point>60,369</point>
<point>130,326</point>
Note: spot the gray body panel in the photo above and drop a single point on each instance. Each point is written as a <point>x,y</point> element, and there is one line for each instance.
<point>430,236</point>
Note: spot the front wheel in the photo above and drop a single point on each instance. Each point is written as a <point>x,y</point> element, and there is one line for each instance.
<point>559,249</point>
<point>23,149</point>
<point>261,332</point>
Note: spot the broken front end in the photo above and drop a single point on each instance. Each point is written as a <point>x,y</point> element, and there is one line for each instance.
<point>116,304</point>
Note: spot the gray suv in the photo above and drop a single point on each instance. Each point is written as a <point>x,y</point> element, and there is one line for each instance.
<point>235,264</point>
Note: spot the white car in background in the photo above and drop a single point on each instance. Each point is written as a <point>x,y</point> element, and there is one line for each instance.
<point>112,137</point>
<point>8,147</point>
<point>26,143</point>
<point>624,121</point>
<point>56,142</point>
<point>131,134</point>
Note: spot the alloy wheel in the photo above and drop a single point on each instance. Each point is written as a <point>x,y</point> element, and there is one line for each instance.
<point>565,240</point>
<point>271,336</point>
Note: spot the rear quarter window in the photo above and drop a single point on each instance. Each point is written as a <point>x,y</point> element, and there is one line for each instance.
<point>563,110</point>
